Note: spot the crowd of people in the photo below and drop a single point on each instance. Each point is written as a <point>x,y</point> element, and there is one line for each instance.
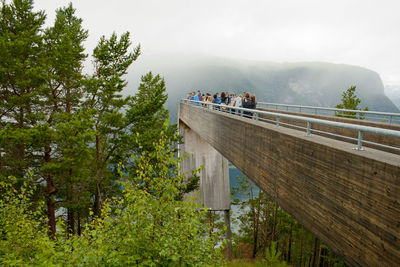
<point>227,101</point>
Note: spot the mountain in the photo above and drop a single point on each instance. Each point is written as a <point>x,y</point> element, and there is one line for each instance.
<point>304,83</point>
<point>393,92</point>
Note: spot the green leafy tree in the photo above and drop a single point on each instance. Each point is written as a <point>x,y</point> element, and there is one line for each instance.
<point>69,130</point>
<point>272,233</point>
<point>147,226</point>
<point>41,80</point>
<point>272,255</point>
<point>23,233</point>
<point>350,101</point>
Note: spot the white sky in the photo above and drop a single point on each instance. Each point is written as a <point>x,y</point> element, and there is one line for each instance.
<point>356,32</point>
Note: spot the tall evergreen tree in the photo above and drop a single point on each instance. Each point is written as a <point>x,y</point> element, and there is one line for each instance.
<point>21,76</point>
<point>66,152</point>
<point>68,130</point>
<point>112,59</point>
<point>147,112</point>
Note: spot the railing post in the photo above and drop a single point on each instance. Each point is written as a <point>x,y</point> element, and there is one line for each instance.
<point>256,116</point>
<point>241,113</point>
<point>359,141</point>
<point>277,121</point>
<point>308,129</point>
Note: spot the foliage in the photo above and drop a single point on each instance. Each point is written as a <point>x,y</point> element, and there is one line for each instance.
<point>21,76</point>
<point>146,226</point>
<point>272,234</point>
<point>70,129</point>
<point>147,111</point>
<point>102,96</point>
<point>350,101</point>
<point>23,236</point>
<point>272,255</point>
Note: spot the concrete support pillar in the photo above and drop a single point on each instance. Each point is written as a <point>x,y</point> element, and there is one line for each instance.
<point>214,178</point>
<point>214,190</point>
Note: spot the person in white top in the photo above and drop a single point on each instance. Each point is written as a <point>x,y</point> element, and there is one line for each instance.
<point>232,103</point>
<point>238,102</point>
<point>209,100</point>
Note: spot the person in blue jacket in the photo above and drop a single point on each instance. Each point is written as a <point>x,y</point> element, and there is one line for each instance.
<point>218,99</point>
<point>196,98</point>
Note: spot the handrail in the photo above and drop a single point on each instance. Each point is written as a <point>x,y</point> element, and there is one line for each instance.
<point>389,114</point>
<point>359,128</point>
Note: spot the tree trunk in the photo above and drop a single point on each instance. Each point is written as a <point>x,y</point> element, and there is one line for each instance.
<point>266,221</point>
<point>315,249</point>
<point>256,222</point>
<point>50,190</point>
<point>51,209</point>
<point>211,228</point>
<point>70,190</point>
<point>274,223</point>
<point>301,247</point>
<point>97,196</point>
<point>70,202</point>
<point>79,224</point>
<point>290,244</point>
<point>97,201</point>
<point>71,221</point>
<point>228,234</point>
<point>321,259</point>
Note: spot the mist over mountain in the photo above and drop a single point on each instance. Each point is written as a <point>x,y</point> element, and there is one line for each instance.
<point>303,83</point>
<point>393,92</point>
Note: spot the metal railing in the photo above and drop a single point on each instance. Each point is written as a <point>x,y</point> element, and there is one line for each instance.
<point>255,114</point>
<point>386,117</point>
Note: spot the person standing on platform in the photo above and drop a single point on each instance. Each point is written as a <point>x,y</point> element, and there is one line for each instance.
<point>254,103</point>
<point>223,101</point>
<point>247,103</point>
<point>209,100</point>
<point>238,102</point>
<point>196,99</point>
<point>218,101</point>
<point>200,96</point>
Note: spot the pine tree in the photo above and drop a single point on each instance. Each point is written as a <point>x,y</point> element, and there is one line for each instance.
<point>350,101</point>
<point>147,112</point>
<point>67,130</point>
<point>21,76</point>
<point>71,125</point>
<point>103,93</point>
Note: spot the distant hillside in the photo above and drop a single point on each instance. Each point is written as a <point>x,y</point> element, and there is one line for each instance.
<point>393,92</point>
<point>305,83</point>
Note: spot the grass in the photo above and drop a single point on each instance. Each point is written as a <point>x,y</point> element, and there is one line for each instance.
<point>252,263</point>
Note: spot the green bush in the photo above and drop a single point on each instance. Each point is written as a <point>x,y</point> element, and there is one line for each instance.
<point>23,235</point>
<point>149,226</point>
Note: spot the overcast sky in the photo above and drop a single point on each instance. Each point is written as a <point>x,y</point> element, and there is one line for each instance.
<point>356,32</point>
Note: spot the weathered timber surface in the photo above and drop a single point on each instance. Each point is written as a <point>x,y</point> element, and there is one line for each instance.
<point>349,199</point>
<point>380,139</point>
